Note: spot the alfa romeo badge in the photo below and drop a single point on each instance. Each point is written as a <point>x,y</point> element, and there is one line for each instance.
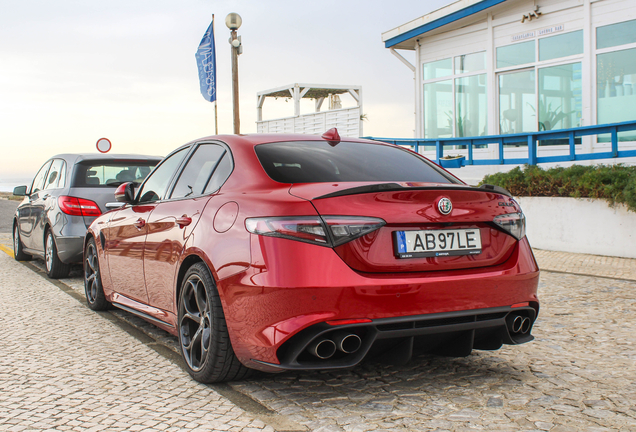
<point>445,206</point>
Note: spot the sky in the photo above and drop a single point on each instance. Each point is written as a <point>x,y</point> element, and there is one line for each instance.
<point>74,71</point>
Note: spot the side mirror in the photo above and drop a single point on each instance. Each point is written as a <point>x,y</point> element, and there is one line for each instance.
<point>20,191</point>
<point>125,192</point>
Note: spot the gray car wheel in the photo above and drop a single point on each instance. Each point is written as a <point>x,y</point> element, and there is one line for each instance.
<point>18,253</point>
<point>55,268</point>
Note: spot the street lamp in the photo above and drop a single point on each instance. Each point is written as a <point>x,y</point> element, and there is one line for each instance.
<point>233,21</point>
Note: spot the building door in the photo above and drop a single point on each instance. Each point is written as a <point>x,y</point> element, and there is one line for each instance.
<point>517,101</point>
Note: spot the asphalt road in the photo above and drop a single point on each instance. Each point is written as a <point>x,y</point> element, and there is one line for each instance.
<point>7,209</point>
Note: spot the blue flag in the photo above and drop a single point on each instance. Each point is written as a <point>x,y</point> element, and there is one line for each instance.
<point>206,62</point>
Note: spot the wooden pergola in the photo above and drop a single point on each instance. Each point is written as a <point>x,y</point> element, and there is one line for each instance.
<point>297,91</point>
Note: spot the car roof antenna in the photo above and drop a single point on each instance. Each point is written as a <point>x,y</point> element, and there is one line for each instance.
<point>332,136</point>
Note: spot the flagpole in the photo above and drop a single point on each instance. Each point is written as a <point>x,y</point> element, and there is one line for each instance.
<point>216,119</point>
<point>206,64</point>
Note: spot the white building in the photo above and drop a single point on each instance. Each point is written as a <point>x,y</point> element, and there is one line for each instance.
<point>491,67</point>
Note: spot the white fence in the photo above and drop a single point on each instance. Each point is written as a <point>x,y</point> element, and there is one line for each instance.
<point>347,121</point>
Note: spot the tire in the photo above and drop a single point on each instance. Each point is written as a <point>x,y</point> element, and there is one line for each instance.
<point>18,252</point>
<point>95,297</point>
<point>55,269</point>
<point>203,337</point>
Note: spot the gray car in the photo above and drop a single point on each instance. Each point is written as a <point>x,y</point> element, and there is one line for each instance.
<point>67,194</point>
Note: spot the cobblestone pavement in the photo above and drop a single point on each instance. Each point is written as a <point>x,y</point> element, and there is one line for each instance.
<point>583,264</point>
<point>65,367</point>
<point>578,375</point>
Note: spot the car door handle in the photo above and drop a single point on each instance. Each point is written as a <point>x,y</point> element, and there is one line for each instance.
<point>184,221</point>
<point>139,223</point>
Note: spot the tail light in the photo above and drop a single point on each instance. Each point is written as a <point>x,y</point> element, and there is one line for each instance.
<point>346,228</point>
<point>78,206</point>
<point>327,231</point>
<point>512,223</point>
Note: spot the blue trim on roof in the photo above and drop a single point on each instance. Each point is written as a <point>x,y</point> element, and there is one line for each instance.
<point>462,13</point>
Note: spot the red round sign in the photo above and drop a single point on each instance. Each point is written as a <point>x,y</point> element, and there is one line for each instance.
<point>104,145</point>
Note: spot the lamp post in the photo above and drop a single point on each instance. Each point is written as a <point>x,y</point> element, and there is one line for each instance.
<point>233,21</point>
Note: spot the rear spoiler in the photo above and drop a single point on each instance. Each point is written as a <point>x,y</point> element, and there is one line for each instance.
<point>395,187</point>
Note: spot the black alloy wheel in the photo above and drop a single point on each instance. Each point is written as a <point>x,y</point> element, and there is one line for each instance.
<point>18,252</point>
<point>55,268</point>
<point>203,337</point>
<point>93,279</point>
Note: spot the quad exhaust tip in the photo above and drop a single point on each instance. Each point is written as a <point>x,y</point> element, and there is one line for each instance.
<point>345,342</point>
<point>520,324</point>
<point>323,349</point>
<point>348,343</point>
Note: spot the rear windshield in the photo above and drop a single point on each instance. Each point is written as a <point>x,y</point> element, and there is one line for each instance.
<point>111,173</point>
<point>317,161</point>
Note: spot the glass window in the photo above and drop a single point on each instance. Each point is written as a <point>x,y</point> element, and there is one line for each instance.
<point>38,181</point>
<point>470,63</point>
<point>616,34</point>
<point>197,172</point>
<point>221,173</point>
<point>562,45</point>
<point>111,173</point>
<point>438,109</point>
<point>57,175</point>
<point>616,82</point>
<point>560,102</point>
<point>517,112</point>
<point>155,187</point>
<point>317,161</point>
<point>438,69</point>
<point>471,106</point>
<point>516,54</point>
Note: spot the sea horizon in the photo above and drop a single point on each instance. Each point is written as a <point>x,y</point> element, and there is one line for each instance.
<point>7,185</point>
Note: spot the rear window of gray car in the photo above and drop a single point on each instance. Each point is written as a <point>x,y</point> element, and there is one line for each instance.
<point>318,161</point>
<point>110,173</point>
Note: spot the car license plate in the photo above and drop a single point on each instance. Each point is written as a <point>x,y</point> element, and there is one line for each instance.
<point>437,243</point>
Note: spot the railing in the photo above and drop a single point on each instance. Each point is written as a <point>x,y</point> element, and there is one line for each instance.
<point>532,139</point>
<point>347,120</point>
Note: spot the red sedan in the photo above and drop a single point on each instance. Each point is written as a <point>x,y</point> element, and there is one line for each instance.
<point>278,252</point>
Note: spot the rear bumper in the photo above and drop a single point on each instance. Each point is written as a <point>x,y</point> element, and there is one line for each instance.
<point>292,289</point>
<point>69,234</point>
<point>479,329</point>
<point>70,249</point>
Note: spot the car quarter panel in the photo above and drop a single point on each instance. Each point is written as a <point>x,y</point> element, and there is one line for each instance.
<point>228,247</point>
